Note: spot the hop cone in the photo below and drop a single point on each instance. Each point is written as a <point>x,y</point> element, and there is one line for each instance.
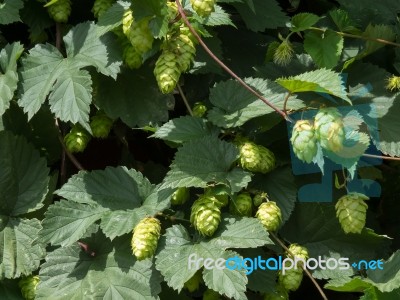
<point>283,53</point>
<point>167,71</point>
<point>259,198</point>
<point>304,141</point>
<point>243,206</point>
<point>182,43</point>
<point>270,215</point>
<point>221,199</point>
<point>329,129</point>
<point>60,10</point>
<point>140,36</point>
<point>101,6</point>
<point>351,210</point>
<point>127,21</point>
<point>172,10</point>
<point>203,7</point>
<point>297,251</point>
<point>28,286</point>
<point>132,58</point>
<point>194,282</point>
<point>291,280</point>
<point>199,109</point>
<point>256,158</point>
<point>145,238</point>
<point>101,125</point>
<point>393,83</point>
<point>77,139</point>
<point>279,294</point>
<point>210,294</point>
<point>269,56</point>
<point>180,196</point>
<point>205,215</point>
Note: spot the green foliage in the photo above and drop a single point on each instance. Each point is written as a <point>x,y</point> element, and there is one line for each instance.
<point>203,159</point>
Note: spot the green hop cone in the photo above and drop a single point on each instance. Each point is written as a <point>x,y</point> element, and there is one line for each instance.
<point>210,294</point>
<point>242,206</point>
<point>140,36</point>
<point>351,210</point>
<point>127,20</point>
<point>280,293</point>
<point>291,280</point>
<point>203,7</point>
<point>329,129</point>
<point>172,10</point>
<point>77,139</point>
<point>131,57</point>
<point>199,109</point>
<point>60,10</point>
<point>393,83</point>
<point>270,215</point>
<point>259,198</point>
<point>269,56</point>
<point>194,282</point>
<point>28,286</point>
<point>206,215</point>
<point>145,238</point>
<point>256,158</point>
<point>101,6</point>
<point>167,71</point>
<point>304,141</point>
<point>182,43</point>
<point>180,196</point>
<point>101,125</point>
<point>283,53</point>
<point>298,251</point>
<point>221,198</point>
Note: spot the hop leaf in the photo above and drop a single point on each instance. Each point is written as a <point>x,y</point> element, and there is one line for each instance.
<point>256,158</point>
<point>203,7</point>
<point>210,294</point>
<point>180,196</point>
<point>145,238</point>
<point>199,109</point>
<point>28,286</point>
<point>101,6</point>
<point>351,210</point>
<point>206,215</point>
<point>279,294</point>
<point>194,282</point>
<point>393,83</point>
<point>284,53</point>
<point>291,280</point>
<point>304,141</point>
<point>329,128</point>
<point>59,11</point>
<point>242,206</point>
<point>270,215</point>
<point>101,125</point>
<point>77,139</point>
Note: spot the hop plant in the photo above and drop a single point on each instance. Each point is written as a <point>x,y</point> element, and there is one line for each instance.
<point>297,251</point>
<point>304,141</point>
<point>199,109</point>
<point>101,6</point>
<point>210,294</point>
<point>203,7</point>
<point>145,238</point>
<point>283,53</point>
<point>206,215</point>
<point>270,215</point>
<point>194,282</point>
<point>242,206</point>
<point>77,139</point>
<point>351,210</point>
<point>28,286</point>
<point>329,129</point>
<point>59,11</point>
<point>291,280</point>
<point>180,196</point>
<point>279,293</point>
<point>393,83</point>
<point>101,125</point>
<point>256,158</point>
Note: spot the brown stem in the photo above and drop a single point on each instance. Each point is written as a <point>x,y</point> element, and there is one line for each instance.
<point>58,36</point>
<point>304,268</point>
<point>226,68</point>
<point>354,36</point>
<point>184,99</point>
<point>382,157</point>
<point>285,102</point>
